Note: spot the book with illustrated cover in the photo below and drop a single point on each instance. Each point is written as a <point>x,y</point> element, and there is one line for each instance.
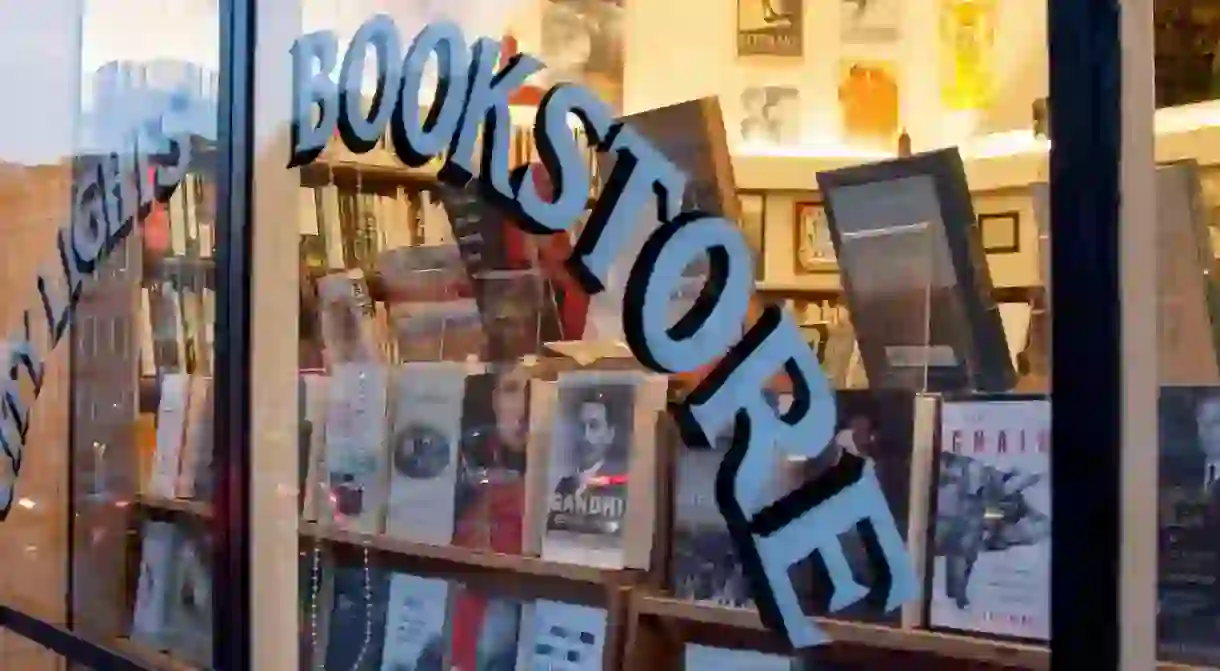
<point>425,434</point>
<point>485,632</point>
<point>154,591</point>
<point>190,609</point>
<point>600,430</point>
<point>894,431</point>
<point>172,411</point>
<point>349,330</point>
<point>356,623</point>
<point>703,565</point>
<point>558,636</point>
<point>915,275</point>
<point>415,624</point>
<point>516,315</point>
<point>356,458</point>
<point>991,533</point>
<point>1188,595</point>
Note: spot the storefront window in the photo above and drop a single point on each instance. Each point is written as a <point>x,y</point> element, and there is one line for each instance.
<point>108,264</point>
<point>487,475</point>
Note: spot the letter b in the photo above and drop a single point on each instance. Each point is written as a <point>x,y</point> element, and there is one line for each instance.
<point>314,57</point>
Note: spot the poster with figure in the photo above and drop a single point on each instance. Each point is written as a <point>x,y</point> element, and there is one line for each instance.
<point>770,115</point>
<point>582,42</point>
<point>870,21</point>
<point>991,535</point>
<point>770,28</point>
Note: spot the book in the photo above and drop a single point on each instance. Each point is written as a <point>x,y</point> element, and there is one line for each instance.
<point>915,275</point>
<point>704,566</point>
<point>426,432</point>
<point>171,432</point>
<point>893,430</point>
<point>601,469</point>
<point>558,636</point>
<point>349,330</point>
<point>1188,493</point>
<point>356,458</point>
<point>991,534</point>
<point>190,609</point>
<point>415,633</point>
<point>356,626</point>
<point>485,632</point>
<point>150,621</point>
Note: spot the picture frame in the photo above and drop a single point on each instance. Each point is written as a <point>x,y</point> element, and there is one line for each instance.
<point>1000,232</point>
<point>813,248</point>
<point>753,223</point>
<point>770,28</point>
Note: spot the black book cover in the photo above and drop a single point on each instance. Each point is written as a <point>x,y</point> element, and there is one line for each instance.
<point>356,628</point>
<point>1188,589</point>
<point>877,426</point>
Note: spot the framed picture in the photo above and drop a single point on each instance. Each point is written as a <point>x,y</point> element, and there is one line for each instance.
<point>770,115</point>
<point>813,247</point>
<point>770,28</point>
<point>753,219</point>
<point>870,21</point>
<point>1001,232</point>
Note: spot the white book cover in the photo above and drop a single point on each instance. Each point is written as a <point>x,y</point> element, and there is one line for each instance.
<point>332,227</point>
<point>559,636</point>
<point>148,359</point>
<point>356,455</point>
<point>150,622</point>
<point>602,438</point>
<point>415,624</point>
<point>171,432</point>
<point>707,658</point>
<point>177,222</point>
<point>349,328</point>
<point>427,429</point>
<point>308,211</point>
<point>992,532</point>
<point>197,442</point>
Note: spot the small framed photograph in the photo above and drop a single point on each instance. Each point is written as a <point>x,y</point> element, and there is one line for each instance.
<point>814,249</point>
<point>1000,232</point>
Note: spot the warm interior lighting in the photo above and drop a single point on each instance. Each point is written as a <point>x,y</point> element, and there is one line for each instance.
<point>28,504</point>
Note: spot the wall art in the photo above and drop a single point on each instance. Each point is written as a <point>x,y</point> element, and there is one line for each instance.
<point>770,115</point>
<point>870,21</point>
<point>1001,232</point>
<point>582,41</point>
<point>813,247</point>
<point>770,28</point>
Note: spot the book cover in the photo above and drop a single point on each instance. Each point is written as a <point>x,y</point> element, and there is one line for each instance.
<point>991,535</point>
<point>485,632</point>
<point>592,432</point>
<point>426,432</point>
<point>349,330</point>
<point>150,622</point>
<point>356,626</point>
<point>415,624</point>
<point>171,432</point>
<point>1188,596</point>
<point>703,564</point>
<point>356,456</point>
<point>190,610</point>
<point>558,636</point>
<point>877,426</point>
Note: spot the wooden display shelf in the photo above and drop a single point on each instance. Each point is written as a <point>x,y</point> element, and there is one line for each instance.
<point>454,558</point>
<point>346,171</point>
<point>199,509</point>
<point>680,615</point>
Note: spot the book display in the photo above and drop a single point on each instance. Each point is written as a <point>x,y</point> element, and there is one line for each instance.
<point>410,360</point>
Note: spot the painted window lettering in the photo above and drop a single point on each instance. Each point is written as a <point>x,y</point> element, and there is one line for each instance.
<point>471,98</point>
<point>111,196</point>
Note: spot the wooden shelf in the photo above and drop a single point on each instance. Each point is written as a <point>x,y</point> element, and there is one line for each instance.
<point>1003,653</point>
<point>199,509</point>
<point>458,558</point>
<point>341,170</point>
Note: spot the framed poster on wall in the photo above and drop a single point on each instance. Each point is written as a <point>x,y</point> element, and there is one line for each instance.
<point>770,28</point>
<point>813,247</point>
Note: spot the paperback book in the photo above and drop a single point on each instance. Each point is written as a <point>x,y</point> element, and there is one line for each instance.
<point>991,536</point>
<point>415,624</point>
